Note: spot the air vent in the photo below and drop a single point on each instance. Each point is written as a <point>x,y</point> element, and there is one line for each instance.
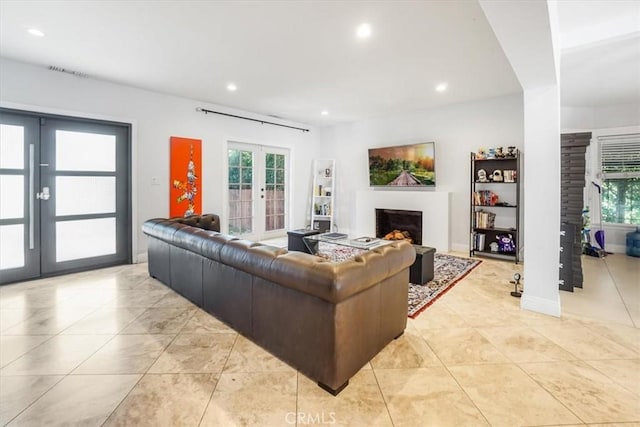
<point>64,70</point>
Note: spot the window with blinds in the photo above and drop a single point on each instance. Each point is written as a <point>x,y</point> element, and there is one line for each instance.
<point>620,169</point>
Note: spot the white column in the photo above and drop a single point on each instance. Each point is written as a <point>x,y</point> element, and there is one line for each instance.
<point>541,200</point>
<point>527,31</point>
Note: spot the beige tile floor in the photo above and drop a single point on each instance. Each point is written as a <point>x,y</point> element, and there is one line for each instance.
<point>115,347</point>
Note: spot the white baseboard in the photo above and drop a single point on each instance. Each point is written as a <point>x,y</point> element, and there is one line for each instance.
<point>459,247</point>
<point>540,305</point>
<point>616,249</point>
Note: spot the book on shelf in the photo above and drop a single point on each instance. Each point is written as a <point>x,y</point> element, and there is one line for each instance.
<point>478,241</point>
<point>485,198</point>
<point>484,219</point>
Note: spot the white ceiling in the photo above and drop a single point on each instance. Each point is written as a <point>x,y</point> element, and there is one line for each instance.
<point>600,57</point>
<point>288,59</point>
<point>295,59</point>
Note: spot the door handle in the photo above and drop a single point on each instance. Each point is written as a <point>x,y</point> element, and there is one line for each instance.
<point>31,193</point>
<point>44,194</point>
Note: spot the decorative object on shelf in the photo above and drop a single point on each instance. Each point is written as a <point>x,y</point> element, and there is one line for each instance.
<point>493,246</point>
<point>505,243</point>
<point>511,152</point>
<point>491,154</point>
<point>509,175</point>
<point>500,154</point>
<point>481,154</point>
<point>497,176</point>
<point>482,176</point>
<point>185,196</point>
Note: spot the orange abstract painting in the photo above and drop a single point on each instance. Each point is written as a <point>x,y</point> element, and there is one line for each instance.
<point>185,192</point>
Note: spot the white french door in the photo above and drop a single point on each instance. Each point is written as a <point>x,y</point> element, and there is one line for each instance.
<point>257,202</point>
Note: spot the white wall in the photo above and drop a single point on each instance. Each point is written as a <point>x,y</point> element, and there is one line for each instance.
<point>611,116</point>
<point>155,118</point>
<point>457,131</point>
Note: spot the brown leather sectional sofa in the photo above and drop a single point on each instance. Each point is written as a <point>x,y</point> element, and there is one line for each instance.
<point>325,319</point>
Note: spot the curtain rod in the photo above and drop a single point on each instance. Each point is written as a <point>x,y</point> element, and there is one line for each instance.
<point>204,110</point>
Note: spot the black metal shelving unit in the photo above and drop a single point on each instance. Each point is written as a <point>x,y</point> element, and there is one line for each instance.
<point>508,213</point>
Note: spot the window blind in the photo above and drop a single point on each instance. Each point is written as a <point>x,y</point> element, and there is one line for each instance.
<point>620,155</point>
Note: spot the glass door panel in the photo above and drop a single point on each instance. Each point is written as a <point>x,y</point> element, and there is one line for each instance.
<point>83,151</point>
<point>12,246</point>
<point>12,196</point>
<point>275,193</point>
<point>11,147</point>
<point>19,246</point>
<point>241,198</point>
<point>85,238</point>
<point>80,195</point>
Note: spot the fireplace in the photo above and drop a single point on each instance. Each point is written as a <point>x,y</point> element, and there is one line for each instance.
<point>388,220</point>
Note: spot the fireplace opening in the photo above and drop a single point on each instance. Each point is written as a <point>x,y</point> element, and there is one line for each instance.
<point>400,223</point>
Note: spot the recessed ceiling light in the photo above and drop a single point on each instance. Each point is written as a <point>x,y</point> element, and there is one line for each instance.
<point>35,32</point>
<point>363,31</point>
<point>231,87</point>
<point>441,87</point>
<point>324,112</point>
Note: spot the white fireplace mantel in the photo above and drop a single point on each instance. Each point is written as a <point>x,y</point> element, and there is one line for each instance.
<point>435,206</point>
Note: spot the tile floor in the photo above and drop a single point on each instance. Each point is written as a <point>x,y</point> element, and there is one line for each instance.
<point>115,347</point>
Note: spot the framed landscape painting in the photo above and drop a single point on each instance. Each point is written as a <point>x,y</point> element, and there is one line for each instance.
<point>403,165</point>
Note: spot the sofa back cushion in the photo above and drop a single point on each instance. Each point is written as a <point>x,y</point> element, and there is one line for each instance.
<point>205,221</point>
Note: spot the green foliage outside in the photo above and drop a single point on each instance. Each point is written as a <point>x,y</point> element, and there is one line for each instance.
<point>621,201</point>
<point>621,190</point>
<point>240,168</point>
